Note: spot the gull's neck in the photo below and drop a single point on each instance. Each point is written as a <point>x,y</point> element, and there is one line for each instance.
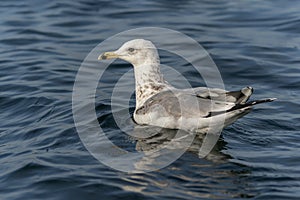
<point>147,73</point>
<point>148,81</point>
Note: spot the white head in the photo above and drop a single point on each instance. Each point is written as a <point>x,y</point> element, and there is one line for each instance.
<point>137,52</point>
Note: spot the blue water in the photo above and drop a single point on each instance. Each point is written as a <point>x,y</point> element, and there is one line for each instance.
<point>42,45</point>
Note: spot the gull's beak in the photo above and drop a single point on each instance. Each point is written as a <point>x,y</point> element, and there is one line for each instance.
<point>108,55</point>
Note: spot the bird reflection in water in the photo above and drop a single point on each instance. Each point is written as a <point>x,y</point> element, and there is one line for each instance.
<point>160,144</point>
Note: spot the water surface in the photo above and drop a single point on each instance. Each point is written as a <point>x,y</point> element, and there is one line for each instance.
<point>42,45</point>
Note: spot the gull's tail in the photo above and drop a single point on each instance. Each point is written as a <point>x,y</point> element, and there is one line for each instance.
<point>242,107</point>
<point>250,104</point>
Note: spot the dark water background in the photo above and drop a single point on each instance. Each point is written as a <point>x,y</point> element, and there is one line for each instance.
<point>42,44</point>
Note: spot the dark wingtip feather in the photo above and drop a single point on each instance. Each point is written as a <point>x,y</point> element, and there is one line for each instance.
<point>252,103</point>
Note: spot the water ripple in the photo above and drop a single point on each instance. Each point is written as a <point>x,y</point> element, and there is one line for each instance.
<point>42,46</point>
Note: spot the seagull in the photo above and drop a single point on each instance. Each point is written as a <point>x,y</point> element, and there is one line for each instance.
<point>160,104</point>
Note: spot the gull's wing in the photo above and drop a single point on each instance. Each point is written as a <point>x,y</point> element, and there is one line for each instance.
<point>182,103</point>
<point>237,97</point>
<point>185,104</point>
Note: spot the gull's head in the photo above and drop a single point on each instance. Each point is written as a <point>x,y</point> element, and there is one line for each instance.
<point>137,52</point>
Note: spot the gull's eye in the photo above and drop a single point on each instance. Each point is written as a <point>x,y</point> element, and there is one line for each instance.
<point>131,50</point>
